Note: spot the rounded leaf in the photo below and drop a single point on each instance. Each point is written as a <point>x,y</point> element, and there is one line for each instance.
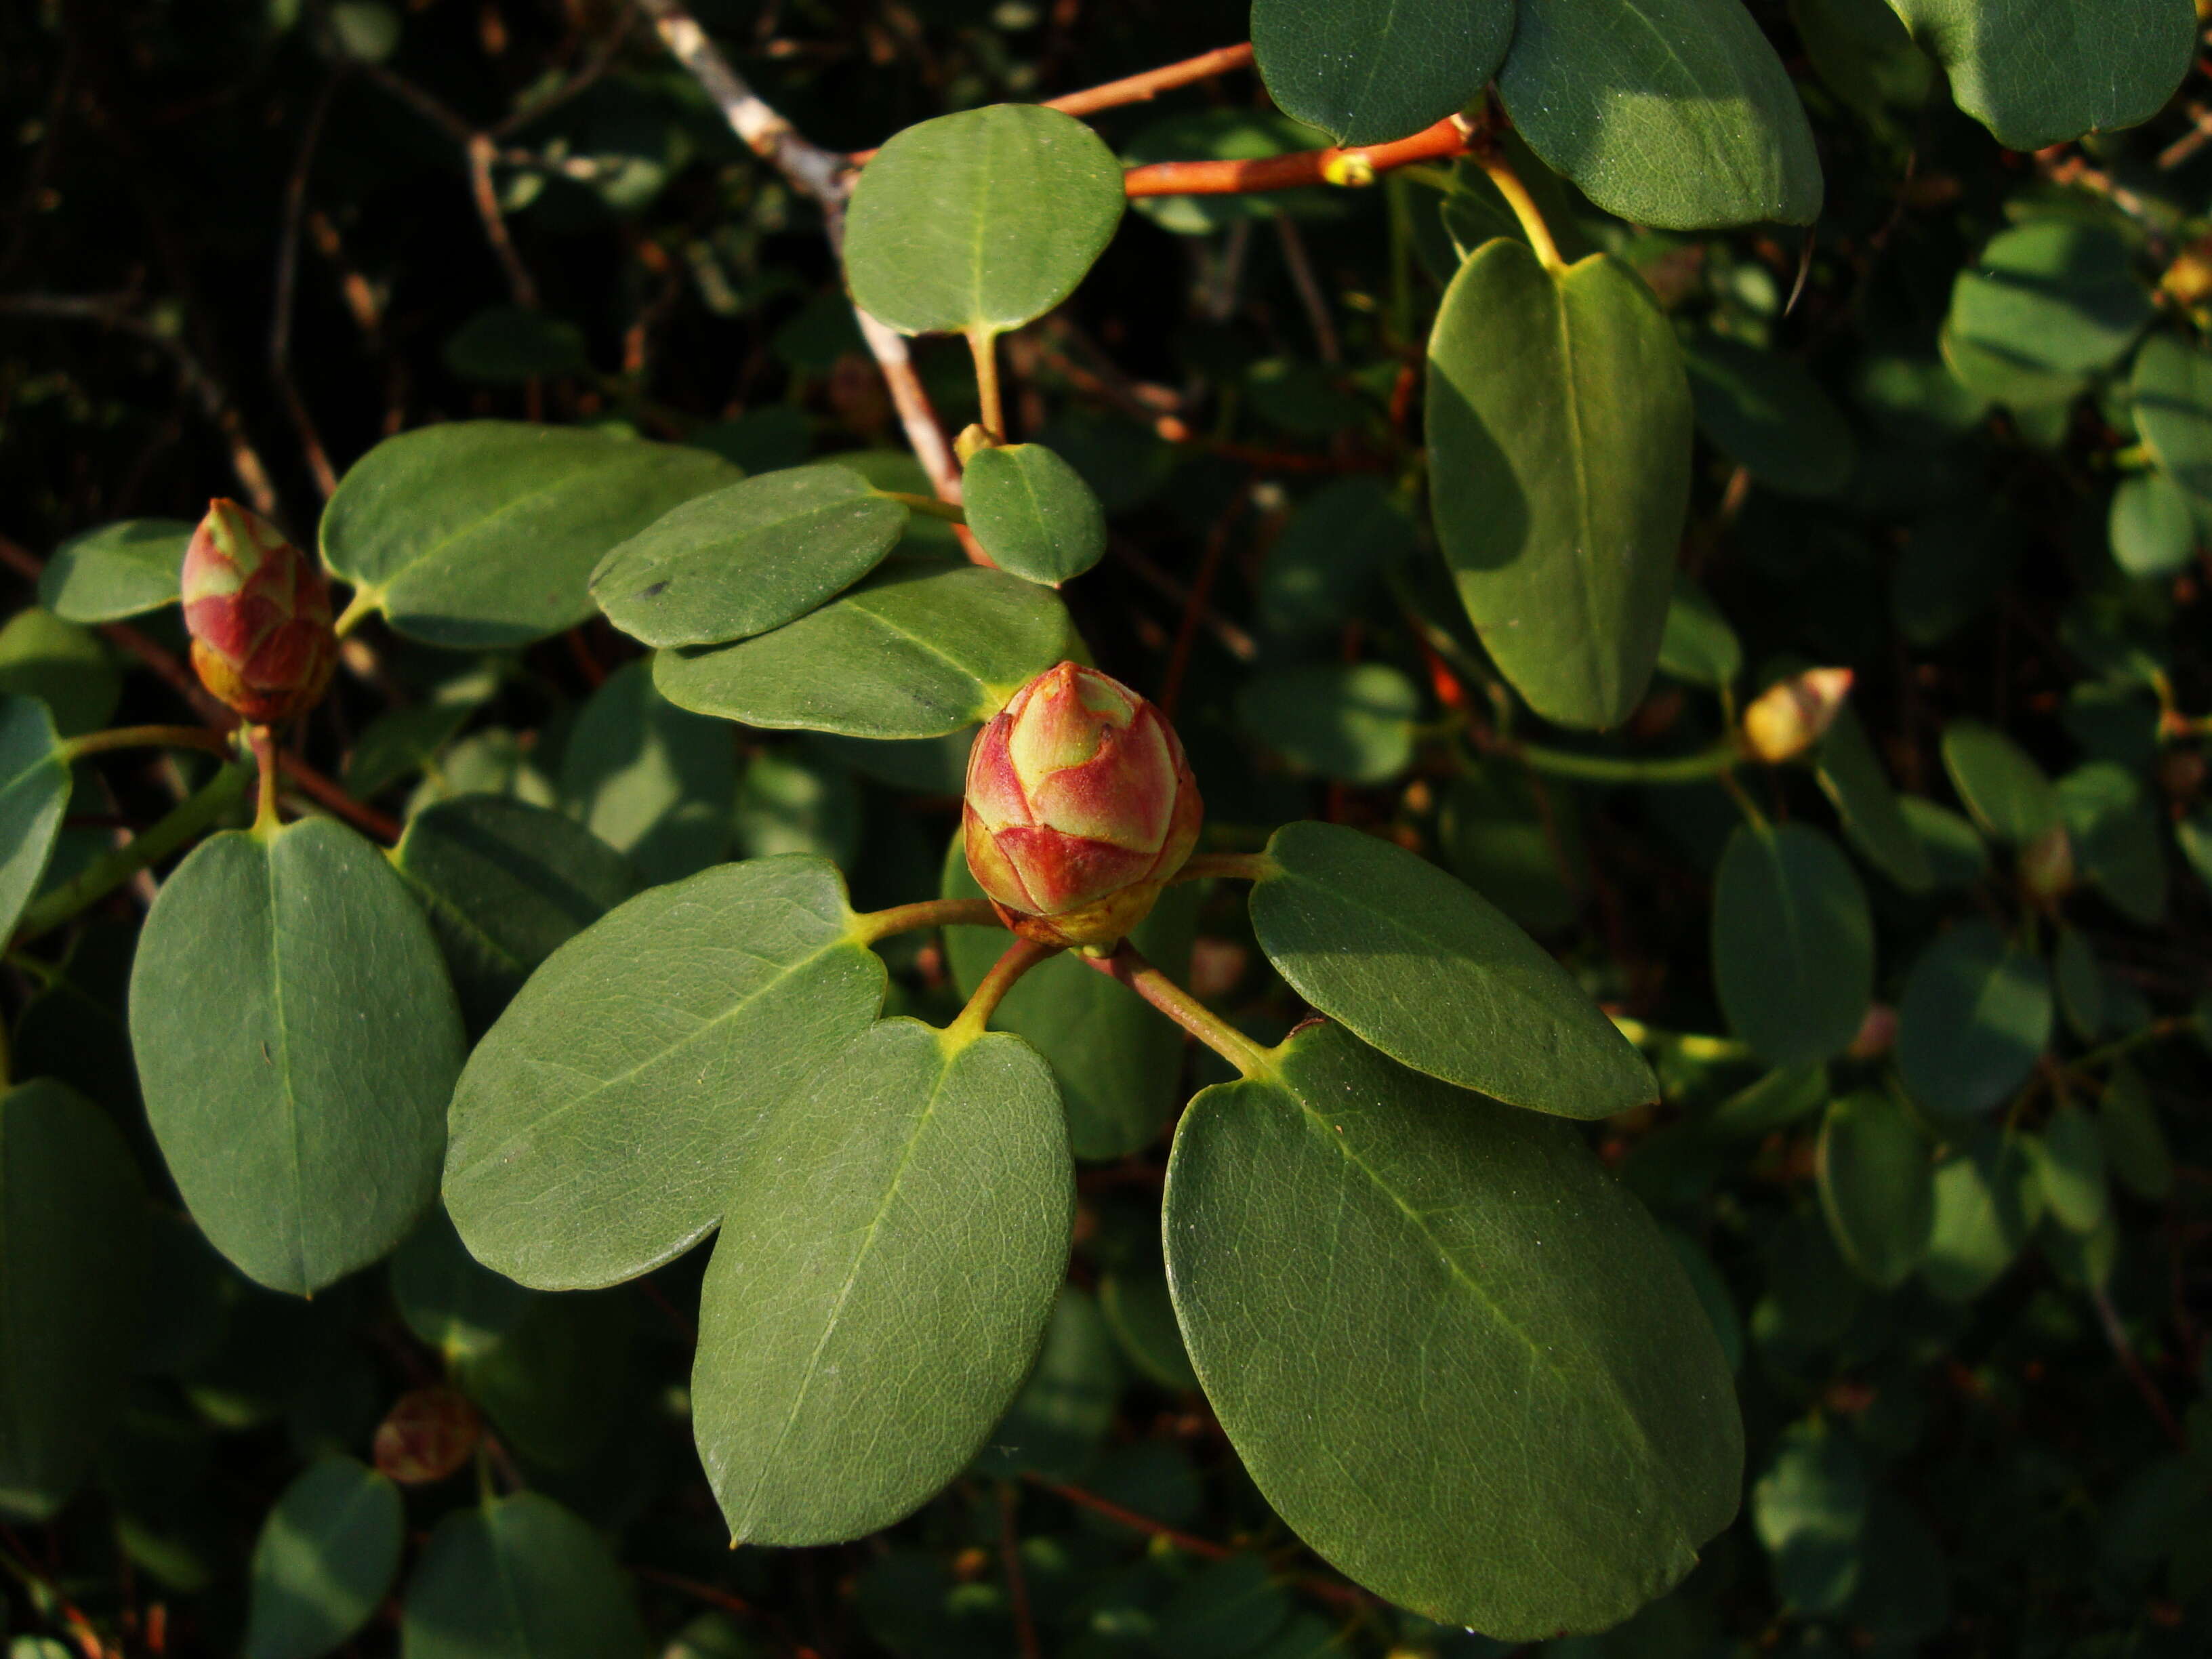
<point>1975,1016</point>
<point>2152,526</point>
<point>1877,1189</point>
<point>1793,944</point>
<point>35,789</point>
<point>1427,971</point>
<point>520,1576</point>
<point>1033,514</point>
<point>980,220</point>
<point>326,1555</point>
<point>1366,74</point>
<point>120,570</point>
<point>297,1039</point>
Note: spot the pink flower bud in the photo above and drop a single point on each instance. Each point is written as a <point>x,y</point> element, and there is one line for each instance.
<point>259,614</point>
<point>1080,806</point>
<point>1793,714</point>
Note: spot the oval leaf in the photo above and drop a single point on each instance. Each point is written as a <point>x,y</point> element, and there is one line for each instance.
<point>2005,793</point>
<point>1457,1358</point>
<point>520,1576</point>
<point>651,780</point>
<point>1033,514</point>
<point>1986,1204</point>
<point>1560,438</point>
<point>2047,304</point>
<point>1770,416</point>
<point>34,789</point>
<point>325,1557</point>
<point>1975,1015</point>
<point>1877,1189</point>
<point>297,1039</point>
<point>920,652</point>
<point>2172,383</point>
<point>1793,944</point>
<point>72,1277</point>
<point>2040,72</point>
<point>748,557</point>
<point>1670,112</point>
<point>980,221</point>
<point>121,569</point>
<point>889,1255</point>
<point>1364,74</point>
<point>598,1126</point>
<point>2153,526</point>
<point>1351,724</point>
<point>485,533</point>
<point>1428,971</point>
<point>1873,820</point>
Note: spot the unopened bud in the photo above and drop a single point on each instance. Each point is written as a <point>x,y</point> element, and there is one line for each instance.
<point>1877,1033</point>
<point>2188,280</point>
<point>1081,807</point>
<point>972,441</point>
<point>428,1434</point>
<point>259,614</point>
<point>2046,865</point>
<point>1791,716</point>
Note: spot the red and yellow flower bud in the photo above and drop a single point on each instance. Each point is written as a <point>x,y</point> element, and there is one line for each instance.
<point>1080,808</point>
<point>259,614</point>
<point>1793,714</point>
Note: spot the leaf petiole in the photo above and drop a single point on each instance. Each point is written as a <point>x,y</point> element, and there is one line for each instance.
<point>1714,762</point>
<point>1523,206</point>
<point>1228,866</point>
<point>147,737</point>
<point>872,925</point>
<point>951,512</point>
<point>1127,966</point>
<point>1020,956</point>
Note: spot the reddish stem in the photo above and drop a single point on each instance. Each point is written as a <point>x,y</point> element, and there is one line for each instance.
<point>1357,166</point>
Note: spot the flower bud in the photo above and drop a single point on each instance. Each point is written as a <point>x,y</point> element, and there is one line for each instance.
<point>2046,866</point>
<point>1080,806</point>
<point>260,613</point>
<point>1793,714</point>
<point>427,1436</point>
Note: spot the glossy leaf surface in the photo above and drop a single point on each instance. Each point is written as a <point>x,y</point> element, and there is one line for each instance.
<point>1365,73</point>
<point>1669,112</point>
<point>326,1555</point>
<point>484,532</point>
<point>2039,72</point>
<point>747,557</point>
<point>889,1255</point>
<point>1558,431</point>
<point>919,651</point>
<point>1793,944</point>
<point>1033,514</point>
<point>980,221</point>
<point>1427,971</point>
<point>296,1038</point>
<point>72,1277</point>
<point>1463,1365</point>
<point>598,1126</point>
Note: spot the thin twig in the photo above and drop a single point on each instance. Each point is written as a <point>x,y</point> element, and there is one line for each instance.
<point>287,278</point>
<point>1201,591</point>
<point>1360,165</point>
<point>1017,1584</point>
<point>1141,88</point>
<point>1309,288</point>
<point>2115,1334</point>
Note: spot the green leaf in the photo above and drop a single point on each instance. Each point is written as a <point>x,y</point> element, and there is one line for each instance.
<point>1227,1609</point>
<point>1793,944</point>
<point>802,798</point>
<point>2115,829</point>
<point>2152,526</point>
<point>297,1039</point>
<point>451,1301</point>
<point>555,1387</point>
<point>2172,387</point>
<point>919,651</point>
<point>35,789</point>
<point>1698,644</point>
<point>504,884</point>
<point>1364,74</point>
<point>598,1125</point>
<point>1809,1510</point>
<point>1862,52</point>
<point>886,1265</point>
<point>2136,1149</point>
<point>1033,514</point>
<point>1877,1189</point>
<point>1975,1016</point>
<point>1142,1314</point>
<point>327,1554</point>
<point>120,570</point>
<point>650,779</point>
<point>484,532</point>
<point>1560,423</point>
<point>1351,724</point>
<point>1770,416</point>
<point>2070,1168</point>
<point>1054,1426</point>
<point>1321,566</point>
<point>1873,820</point>
<point>1457,1359</point>
<point>2078,978</point>
<point>1986,1204</point>
<point>508,345</point>
<point>72,1275</point>
<point>521,1576</point>
<point>1116,1060</point>
<point>1224,135</point>
<point>1956,854</point>
<point>402,741</point>
<point>65,666</point>
<point>1428,971</point>
<point>1674,114</point>
<point>2046,305</point>
<point>2040,72</point>
<point>2005,793</point>
<point>748,557</point>
<point>1773,1101</point>
<point>980,221</point>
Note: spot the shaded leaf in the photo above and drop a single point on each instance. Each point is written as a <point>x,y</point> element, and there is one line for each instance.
<point>120,570</point>
<point>650,779</point>
<point>1874,820</point>
<point>1877,1189</point>
<point>328,1550</point>
<point>520,1576</point>
<point>2006,792</point>
<point>1975,1015</point>
<point>1363,76</point>
<point>34,789</point>
<point>1349,724</point>
<point>1793,944</point>
<point>1770,416</point>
